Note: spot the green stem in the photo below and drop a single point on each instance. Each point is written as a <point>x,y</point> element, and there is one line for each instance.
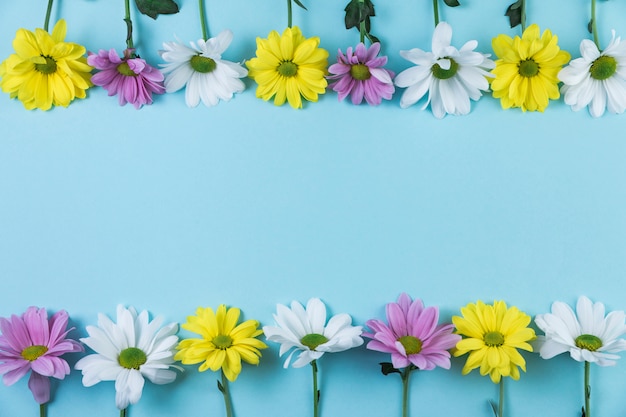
<point>205,31</point>
<point>42,410</point>
<point>587,391</point>
<point>594,27</point>
<point>405,391</point>
<point>123,412</point>
<point>226,392</point>
<point>501,399</point>
<point>316,392</point>
<point>46,22</point>
<point>362,22</point>
<point>289,13</point>
<point>129,26</point>
<point>523,17</point>
<point>436,11</point>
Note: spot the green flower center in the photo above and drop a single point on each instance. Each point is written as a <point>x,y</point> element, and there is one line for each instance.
<point>493,339</point>
<point>287,69</point>
<point>50,67</point>
<point>589,342</point>
<point>33,352</point>
<point>528,68</point>
<point>444,74</point>
<point>603,68</point>
<point>360,72</point>
<point>132,358</point>
<point>124,69</point>
<point>202,64</point>
<point>313,340</point>
<point>222,341</point>
<point>412,345</point>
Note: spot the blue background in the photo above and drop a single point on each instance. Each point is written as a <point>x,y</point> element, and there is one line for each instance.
<point>248,204</point>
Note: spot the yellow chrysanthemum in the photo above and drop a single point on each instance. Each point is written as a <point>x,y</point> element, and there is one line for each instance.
<point>493,333</point>
<point>44,70</point>
<point>526,73</point>
<point>289,66</point>
<point>223,344</point>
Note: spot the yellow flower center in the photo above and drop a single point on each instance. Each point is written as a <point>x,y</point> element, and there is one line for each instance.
<point>411,344</point>
<point>604,67</point>
<point>287,69</point>
<point>589,342</point>
<point>33,352</point>
<point>222,341</point>
<point>493,339</point>
<point>202,64</point>
<point>50,67</point>
<point>444,74</point>
<point>132,358</point>
<point>528,68</point>
<point>124,69</point>
<point>360,72</point>
<point>313,340</point>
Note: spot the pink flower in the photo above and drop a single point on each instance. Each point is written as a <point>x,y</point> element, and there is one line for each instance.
<point>412,336</point>
<point>360,74</point>
<point>34,343</point>
<point>130,77</point>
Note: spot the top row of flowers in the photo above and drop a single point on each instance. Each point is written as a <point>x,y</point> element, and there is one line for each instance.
<point>528,73</point>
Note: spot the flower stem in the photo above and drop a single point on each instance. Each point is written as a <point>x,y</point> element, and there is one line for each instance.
<point>289,13</point>
<point>42,410</point>
<point>362,21</point>
<point>436,11</point>
<point>123,412</point>
<point>594,27</point>
<point>405,391</point>
<point>226,392</point>
<point>523,16</point>
<point>129,26</point>
<point>501,399</point>
<point>46,22</point>
<point>316,392</point>
<point>587,391</point>
<point>205,31</point>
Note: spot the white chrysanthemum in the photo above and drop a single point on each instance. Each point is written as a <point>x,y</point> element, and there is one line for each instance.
<point>202,69</point>
<point>596,79</point>
<point>306,331</point>
<point>588,335</point>
<point>450,76</point>
<point>128,351</point>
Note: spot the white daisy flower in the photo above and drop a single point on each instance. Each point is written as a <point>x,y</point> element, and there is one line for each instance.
<point>202,69</point>
<point>450,76</point>
<point>588,335</point>
<point>596,79</point>
<point>128,351</point>
<point>306,331</point>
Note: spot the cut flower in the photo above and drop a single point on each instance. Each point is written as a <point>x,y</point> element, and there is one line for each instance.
<point>202,70</point>
<point>360,74</point>
<point>32,342</point>
<point>596,79</point>
<point>128,351</point>
<point>130,77</point>
<point>451,77</point>
<point>289,67</point>
<point>44,70</point>
<point>527,68</point>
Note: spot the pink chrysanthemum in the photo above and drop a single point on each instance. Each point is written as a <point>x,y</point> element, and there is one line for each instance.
<point>359,74</point>
<point>412,335</point>
<point>130,77</point>
<point>31,342</point>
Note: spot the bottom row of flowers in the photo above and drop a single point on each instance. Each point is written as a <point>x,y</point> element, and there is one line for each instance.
<point>135,347</point>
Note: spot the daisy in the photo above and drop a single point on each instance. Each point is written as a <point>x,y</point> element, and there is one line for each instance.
<point>289,67</point>
<point>130,77</point>
<point>360,74</point>
<point>128,351</point>
<point>202,70</point>
<point>44,70</point>
<point>413,338</point>
<point>32,342</point>
<point>588,335</point>
<point>450,76</point>
<point>527,68</point>
<point>596,79</point>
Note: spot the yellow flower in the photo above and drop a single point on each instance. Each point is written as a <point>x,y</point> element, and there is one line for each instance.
<point>289,66</point>
<point>44,70</point>
<point>223,344</point>
<point>493,333</point>
<point>526,73</point>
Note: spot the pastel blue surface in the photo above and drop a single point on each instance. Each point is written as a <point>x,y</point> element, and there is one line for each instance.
<point>169,208</point>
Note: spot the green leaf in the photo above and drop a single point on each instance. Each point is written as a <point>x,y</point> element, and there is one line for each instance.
<point>494,408</point>
<point>299,3</point>
<point>387,368</point>
<point>452,3</point>
<point>154,8</point>
<point>590,26</point>
<point>220,387</point>
<point>357,12</point>
<point>514,13</point>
